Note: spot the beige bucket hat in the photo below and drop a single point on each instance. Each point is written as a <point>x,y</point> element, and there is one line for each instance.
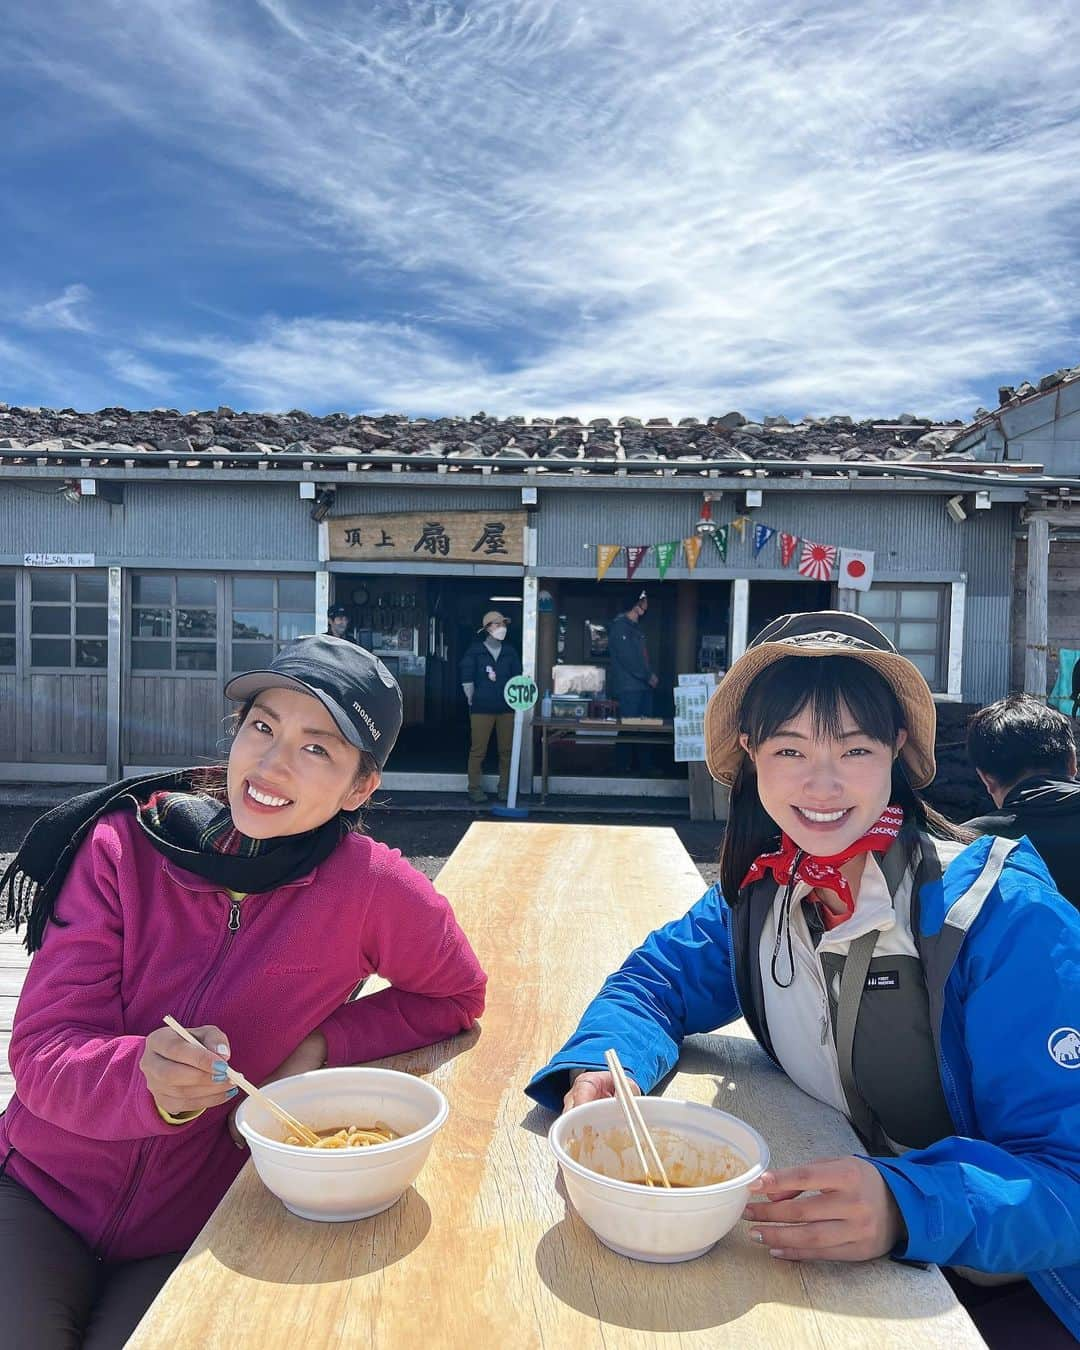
<point>827,633</point>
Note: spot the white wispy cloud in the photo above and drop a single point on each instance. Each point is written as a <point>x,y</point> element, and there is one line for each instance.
<point>138,373</point>
<point>667,209</point>
<point>66,311</point>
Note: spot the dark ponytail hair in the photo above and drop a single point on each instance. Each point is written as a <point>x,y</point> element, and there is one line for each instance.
<point>829,686</point>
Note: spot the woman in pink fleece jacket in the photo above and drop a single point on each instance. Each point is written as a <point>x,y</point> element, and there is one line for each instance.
<point>251,914</point>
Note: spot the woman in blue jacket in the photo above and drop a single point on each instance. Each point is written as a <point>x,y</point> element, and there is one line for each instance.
<point>927,987</point>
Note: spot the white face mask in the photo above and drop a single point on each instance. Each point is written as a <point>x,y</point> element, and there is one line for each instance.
<point>498,633</point>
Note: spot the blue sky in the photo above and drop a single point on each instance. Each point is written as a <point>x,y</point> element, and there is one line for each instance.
<point>538,206</point>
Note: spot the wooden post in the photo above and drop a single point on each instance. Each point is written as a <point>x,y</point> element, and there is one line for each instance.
<point>114,679</point>
<point>740,618</point>
<point>529,616</point>
<point>546,624</point>
<point>686,626</point>
<point>1036,622</point>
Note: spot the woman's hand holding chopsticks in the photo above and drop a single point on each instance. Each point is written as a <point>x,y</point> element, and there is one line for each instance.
<point>309,1054</point>
<point>592,1085</point>
<point>182,1078</point>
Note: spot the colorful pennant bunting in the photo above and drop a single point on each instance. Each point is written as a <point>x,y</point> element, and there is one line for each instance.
<point>605,556</point>
<point>635,556</point>
<point>665,556</point>
<point>692,550</point>
<point>720,539</point>
<point>787,547</point>
<point>762,535</point>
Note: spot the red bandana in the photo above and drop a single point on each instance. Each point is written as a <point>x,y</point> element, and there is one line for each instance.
<point>789,863</point>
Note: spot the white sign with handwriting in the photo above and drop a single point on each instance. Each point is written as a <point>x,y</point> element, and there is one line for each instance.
<point>58,560</point>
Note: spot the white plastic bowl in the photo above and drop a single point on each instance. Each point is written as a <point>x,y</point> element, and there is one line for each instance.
<point>344,1184</point>
<point>651,1223</point>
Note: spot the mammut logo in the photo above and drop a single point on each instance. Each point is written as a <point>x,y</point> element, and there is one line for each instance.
<point>1064,1047</point>
<point>276,968</point>
<point>368,721</point>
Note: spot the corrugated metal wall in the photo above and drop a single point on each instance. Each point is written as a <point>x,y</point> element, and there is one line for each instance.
<point>358,501</point>
<point>215,522</point>
<point>35,518</point>
<point>910,534</point>
<point>988,560</point>
<point>908,531</point>
<point>219,522</point>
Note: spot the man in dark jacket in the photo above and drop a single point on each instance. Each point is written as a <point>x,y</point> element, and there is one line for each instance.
<point>1025,754</point>
<point>485,668</point>
<point>632,678</point>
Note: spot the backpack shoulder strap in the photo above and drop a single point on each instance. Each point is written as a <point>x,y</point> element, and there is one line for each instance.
<point>940,950</point>
<point>852,983</point>
<point>748,918</point>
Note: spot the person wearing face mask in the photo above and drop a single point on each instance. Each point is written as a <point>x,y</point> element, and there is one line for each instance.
<point>485,668</point>
<point>921,983</point>
<point>632,679</point>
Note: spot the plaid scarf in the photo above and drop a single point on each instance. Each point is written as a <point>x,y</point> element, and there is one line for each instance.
<point>191,826</point>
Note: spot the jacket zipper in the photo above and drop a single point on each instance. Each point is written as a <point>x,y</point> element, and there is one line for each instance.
<point>146,1145</point>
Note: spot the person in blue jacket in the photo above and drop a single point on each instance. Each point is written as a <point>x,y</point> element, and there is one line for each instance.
<point>926,986</point>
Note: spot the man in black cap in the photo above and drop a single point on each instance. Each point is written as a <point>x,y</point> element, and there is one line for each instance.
<point>1025,754</point>
<point>337,622</point>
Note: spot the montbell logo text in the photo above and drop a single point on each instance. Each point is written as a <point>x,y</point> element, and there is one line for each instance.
<point>368,721</point>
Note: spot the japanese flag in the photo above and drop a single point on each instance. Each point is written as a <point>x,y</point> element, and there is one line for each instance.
<point>856,569</point>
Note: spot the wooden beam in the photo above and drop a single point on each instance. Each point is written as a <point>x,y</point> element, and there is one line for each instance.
<point>1035,637</point>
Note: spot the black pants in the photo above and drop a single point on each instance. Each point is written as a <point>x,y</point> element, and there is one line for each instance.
<point>1011,1316</point>
<point>634,701</point>
<point>59,1295</point>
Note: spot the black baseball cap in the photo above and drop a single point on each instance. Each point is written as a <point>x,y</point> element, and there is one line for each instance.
<point>354,687</point>
<point>337,612</point>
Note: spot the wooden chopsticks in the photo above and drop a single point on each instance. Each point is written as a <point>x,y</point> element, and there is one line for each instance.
<point>643,1140</point>
<point>234,1076</point>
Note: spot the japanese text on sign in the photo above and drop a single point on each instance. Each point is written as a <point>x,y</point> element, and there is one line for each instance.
<point>449,536</point>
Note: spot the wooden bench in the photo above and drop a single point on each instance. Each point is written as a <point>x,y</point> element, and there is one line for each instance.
<point>484,1253</point>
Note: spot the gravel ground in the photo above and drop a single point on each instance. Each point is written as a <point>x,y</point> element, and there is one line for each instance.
<point>427,838</point>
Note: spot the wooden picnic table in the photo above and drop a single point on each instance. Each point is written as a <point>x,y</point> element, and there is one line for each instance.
<point>484,1252</point>
<point>589,731</point>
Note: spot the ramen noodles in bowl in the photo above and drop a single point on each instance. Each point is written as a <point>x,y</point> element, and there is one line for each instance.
<point>712,1159</point>
<point>376,1126</point>
<point>348,1136</point>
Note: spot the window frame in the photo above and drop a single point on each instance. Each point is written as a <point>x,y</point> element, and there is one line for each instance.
<point>14,635</point>
<point>276,609</point>
<point>950,623</point>
<point>72,605</point>
<point>174,641</point>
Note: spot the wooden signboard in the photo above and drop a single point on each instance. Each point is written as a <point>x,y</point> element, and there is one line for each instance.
<point>430,536</point>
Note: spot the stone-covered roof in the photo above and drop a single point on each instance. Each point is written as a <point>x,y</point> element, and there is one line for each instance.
<point>1009,396</point>
<point>219,436</point>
